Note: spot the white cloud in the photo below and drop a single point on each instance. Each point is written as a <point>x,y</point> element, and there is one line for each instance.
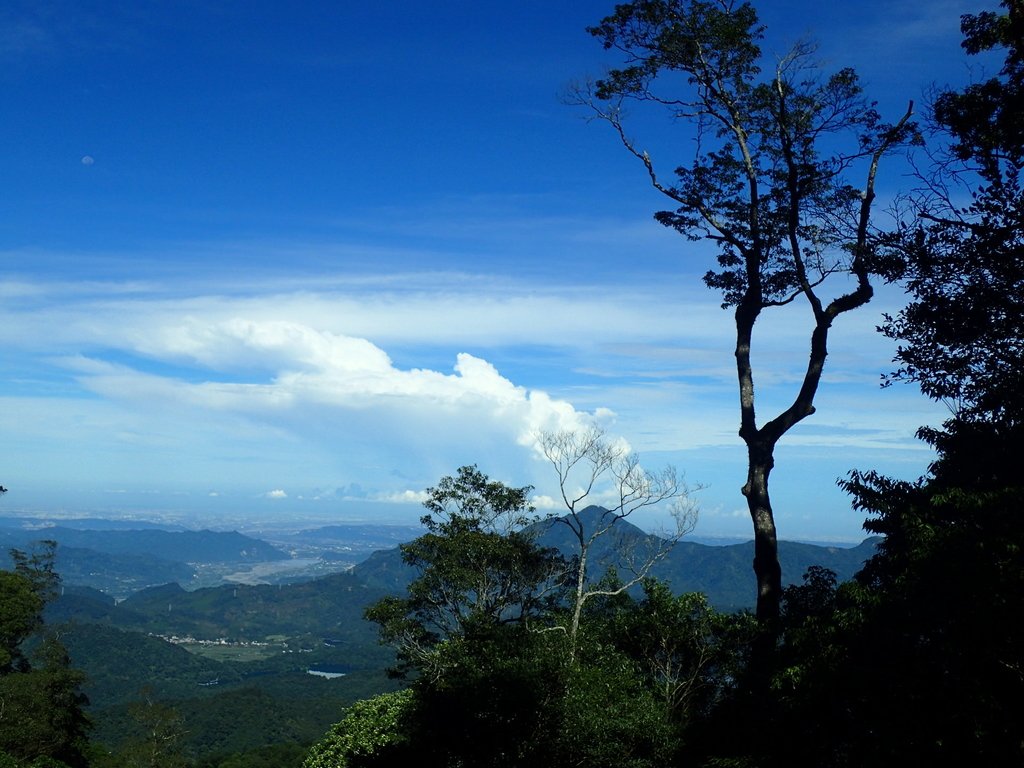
<point>323,370</point>
<point>546,503</point>
<point>277,493</point>
<point>390,384</point>
<point>403,497</point>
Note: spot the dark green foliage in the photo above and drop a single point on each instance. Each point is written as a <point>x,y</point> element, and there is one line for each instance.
<point>20,614</point>
<point>478,569</point>
<point>944,593</point>
<point>688,653</point>
<point>812,599</point>
<point>918,660</point>
<point>516,699</point>
<point>273,756</point>
<point>961,337</point>
<point>118,663</point>
<point>370,730</point>
<point>516,696</point>
<point>83,604</point>
<point>274,701</point>
<point>608,717</point>
<point>943,598</point>
<point>37,567</point>
<point>475,576</point>
<point>43,713</point>
<point>949,578</point>
<point>254,703</point>
<point>492,708</point>
<point>42,716</point>
<point>159,736</point>
<point>497,684</point>
<point>9,761</point>
<point>240,720</point>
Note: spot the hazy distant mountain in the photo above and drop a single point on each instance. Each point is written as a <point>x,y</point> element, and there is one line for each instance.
<point>328,607</point>
<point>42,522</point>
<point>723,573</point>
<point>121,562</point>
<point>118,574</point>
<point>346,543</point>
<point>356,534</point>
<point>114,574</point>
<point>180,546</point>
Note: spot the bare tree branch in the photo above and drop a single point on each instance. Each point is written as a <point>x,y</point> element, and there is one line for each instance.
<point>590,468</point>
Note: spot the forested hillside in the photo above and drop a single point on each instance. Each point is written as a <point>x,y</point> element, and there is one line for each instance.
<point>121,561</point>
<point>212,658</point>
<point>722,573</point>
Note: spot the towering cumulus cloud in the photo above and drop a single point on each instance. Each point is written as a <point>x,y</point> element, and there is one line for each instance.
<point>293,367</point>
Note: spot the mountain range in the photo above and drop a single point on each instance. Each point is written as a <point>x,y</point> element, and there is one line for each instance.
<point>242,653</point>
<point>723,573</point>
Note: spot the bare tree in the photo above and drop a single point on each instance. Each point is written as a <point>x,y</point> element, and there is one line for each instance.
<point>591,468</point>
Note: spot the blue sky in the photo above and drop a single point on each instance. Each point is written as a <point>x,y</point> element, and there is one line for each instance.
<point>299,260</point>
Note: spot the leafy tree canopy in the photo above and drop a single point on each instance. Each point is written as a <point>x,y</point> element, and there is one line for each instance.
<point>961,336</point>
<point>42,717</point>
<point>479,566</point>
<point>369,728</point>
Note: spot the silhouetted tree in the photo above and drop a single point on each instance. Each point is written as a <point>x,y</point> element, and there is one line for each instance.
<point>42,708</point>
<point>767,185</point>
<point>920,660</point>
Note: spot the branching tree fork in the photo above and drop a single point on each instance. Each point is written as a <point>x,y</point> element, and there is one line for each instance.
<point>590,467</point>
<point>767,185</point>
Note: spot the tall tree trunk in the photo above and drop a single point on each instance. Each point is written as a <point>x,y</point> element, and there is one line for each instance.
<point>760,460</point>
<point>767,570</point>
<point>577,609</point>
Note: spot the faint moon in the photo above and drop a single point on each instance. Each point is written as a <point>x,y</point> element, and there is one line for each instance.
<point>88,160</point>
